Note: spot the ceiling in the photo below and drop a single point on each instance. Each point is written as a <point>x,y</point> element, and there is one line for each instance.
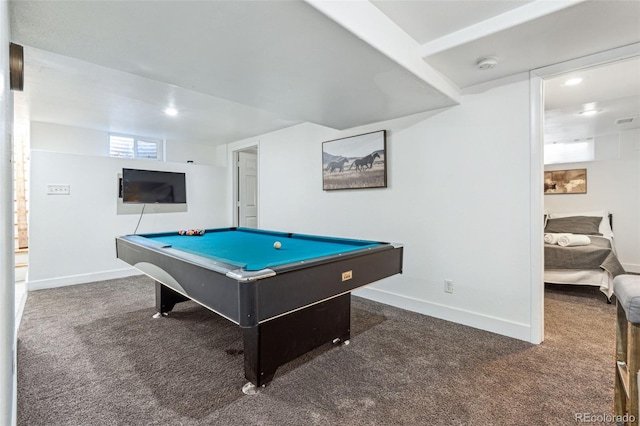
<point>236,69</point>
<point>611,90</point>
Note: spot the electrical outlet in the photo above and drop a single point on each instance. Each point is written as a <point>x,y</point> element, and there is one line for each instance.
<point>58,189</point>
<point>448,286</point>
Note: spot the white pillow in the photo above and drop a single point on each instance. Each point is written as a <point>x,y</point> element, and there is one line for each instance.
<point>605,226</point>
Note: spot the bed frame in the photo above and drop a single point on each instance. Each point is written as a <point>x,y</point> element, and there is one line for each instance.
<point>597,278</point>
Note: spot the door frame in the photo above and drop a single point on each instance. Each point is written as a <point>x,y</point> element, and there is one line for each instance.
<point>536,89</point>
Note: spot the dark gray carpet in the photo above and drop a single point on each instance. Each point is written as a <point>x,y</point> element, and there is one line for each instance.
<point>92,355</point>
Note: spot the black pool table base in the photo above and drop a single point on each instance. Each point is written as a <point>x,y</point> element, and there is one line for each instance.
<point>277,341</point>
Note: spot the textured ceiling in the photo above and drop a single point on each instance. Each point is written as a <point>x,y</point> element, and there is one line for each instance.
<point>236,69</point>
<point>613,90</point>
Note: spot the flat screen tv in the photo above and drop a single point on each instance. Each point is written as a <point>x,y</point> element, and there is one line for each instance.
<point>153,187</point>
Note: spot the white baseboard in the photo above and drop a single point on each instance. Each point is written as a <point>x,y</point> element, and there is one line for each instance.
<point>631,267</point>
<point>21,301</point>
<point>81,279</point>
<point>471,319</point>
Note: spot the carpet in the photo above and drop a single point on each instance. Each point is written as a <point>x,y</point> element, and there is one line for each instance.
<point>92,354</point>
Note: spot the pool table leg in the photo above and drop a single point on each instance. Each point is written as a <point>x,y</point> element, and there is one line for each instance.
<point>273,343</point>
<point>166,299</point>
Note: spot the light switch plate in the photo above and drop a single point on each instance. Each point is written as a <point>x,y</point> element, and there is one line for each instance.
<point>56,189</point>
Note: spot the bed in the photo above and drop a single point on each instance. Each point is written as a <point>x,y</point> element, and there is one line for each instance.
<point>591,261</point>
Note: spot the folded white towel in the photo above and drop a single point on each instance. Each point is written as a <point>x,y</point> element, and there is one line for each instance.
<point>573,240</point>
<point>551,238</point>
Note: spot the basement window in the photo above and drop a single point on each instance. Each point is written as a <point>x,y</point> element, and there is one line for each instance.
<point>569,152</point>
<point>123,146</point>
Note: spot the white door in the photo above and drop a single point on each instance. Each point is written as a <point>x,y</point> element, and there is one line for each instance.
<point>247,189</point>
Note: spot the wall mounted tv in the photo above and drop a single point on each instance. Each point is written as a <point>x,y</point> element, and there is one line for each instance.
<point>153,187</point>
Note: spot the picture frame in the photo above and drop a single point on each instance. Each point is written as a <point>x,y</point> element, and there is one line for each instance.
<point>572,181</point>
<point>355,162</point>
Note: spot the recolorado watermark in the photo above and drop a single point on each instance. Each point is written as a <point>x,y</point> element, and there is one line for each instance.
<point>603,418</point>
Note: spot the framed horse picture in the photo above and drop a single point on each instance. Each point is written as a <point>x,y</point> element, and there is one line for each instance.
<point>355,162</point>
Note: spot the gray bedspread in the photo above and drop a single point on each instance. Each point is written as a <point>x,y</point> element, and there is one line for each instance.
<point>597,255</point>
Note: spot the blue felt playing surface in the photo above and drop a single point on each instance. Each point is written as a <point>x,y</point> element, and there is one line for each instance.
<point>253,250</point>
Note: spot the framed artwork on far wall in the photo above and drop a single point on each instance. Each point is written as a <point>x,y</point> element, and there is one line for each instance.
<point>565,181</point>
<point>355,162</point>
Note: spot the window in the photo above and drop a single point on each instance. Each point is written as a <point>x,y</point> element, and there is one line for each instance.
<point>123,146</point>
<point>569,152</point>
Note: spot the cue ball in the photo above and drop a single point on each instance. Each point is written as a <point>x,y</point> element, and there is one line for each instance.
<point>277,245</point>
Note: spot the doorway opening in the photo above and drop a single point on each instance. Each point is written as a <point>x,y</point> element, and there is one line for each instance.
<point>563,121</point>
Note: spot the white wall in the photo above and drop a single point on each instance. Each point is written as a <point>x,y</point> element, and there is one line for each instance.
<point>72,237</point>
<point>199,154</point>
<point>7,286</point>
<point>76,140</point>
<point>458,198</point>
<point>613,184</point>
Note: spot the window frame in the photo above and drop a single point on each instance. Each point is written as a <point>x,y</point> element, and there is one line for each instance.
<point>565,155</point>
<point>136,139</point>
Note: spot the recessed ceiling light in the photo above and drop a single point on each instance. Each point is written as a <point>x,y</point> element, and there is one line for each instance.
<point>573,81</point>
<point>589,112</point>
<point>171,111</point>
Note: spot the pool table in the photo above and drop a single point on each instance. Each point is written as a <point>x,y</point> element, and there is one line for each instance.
<point>287,301</point>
